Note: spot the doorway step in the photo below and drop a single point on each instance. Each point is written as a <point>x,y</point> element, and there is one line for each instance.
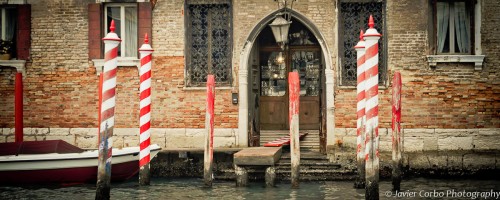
<point>314,166</point>
<point>309,143</point>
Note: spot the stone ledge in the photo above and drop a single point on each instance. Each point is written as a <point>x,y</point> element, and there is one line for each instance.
<point>121,62</point>
<point>433,60</point>
<point>18,64</point>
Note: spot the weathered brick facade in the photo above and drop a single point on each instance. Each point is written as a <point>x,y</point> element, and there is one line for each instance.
<point>60,86</point>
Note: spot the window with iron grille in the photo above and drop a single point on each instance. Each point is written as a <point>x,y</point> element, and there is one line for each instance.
<point>208,41</point>
<point>353,18</point>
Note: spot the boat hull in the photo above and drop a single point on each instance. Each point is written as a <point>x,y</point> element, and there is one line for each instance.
<point>119,172</point>
<point>68,168</point>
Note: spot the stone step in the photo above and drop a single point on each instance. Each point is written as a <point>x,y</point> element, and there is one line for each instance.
<point>324,176</point>
<point>305,155</point>
<point>284,175</point>
<point>310,164</point>
<point>274,138</point>
<point>314,166</point>
<point>302,143</point>
<point>306,139</point>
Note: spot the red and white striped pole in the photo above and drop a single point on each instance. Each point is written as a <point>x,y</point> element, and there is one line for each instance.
<point>360,112</point>
<point>293,116</point>
<point>111,42</point>
<point>209,136</point>
<point>18,107</point>
<point>371,91</point>
<point>397,140</point>
<point>145,111</point>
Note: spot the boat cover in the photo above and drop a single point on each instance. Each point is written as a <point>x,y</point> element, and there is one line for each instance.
<point>37,147</point>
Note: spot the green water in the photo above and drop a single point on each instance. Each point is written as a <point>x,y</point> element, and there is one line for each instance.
<point>163,188</point>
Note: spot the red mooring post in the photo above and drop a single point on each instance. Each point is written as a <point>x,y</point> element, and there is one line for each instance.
<point>145,111</point>
<point>209,136</point>
<point>111,42</point>
<point>18,107</point>
<point>397,139</point>
<point>293,114</point>
<point>371,37</point>
<point>360,112</point>
<point>99,108</point>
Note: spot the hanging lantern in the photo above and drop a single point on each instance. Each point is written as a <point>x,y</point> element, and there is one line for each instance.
<point>280,27</point>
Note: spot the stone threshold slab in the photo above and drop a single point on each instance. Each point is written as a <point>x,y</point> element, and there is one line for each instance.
<point>258,156</point>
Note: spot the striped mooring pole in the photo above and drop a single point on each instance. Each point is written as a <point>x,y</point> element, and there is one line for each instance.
<point>145,111</point>
<point>397,139</point>
<point>371,37</point>
<point>360,112</point>
<point>111,42</point>
<point>209,136</point>
<point>293,116</point>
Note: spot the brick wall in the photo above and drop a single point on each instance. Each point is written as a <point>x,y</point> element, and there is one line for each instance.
<point>57,75</point>
<point>7,81</point>
<point>174,106</point>
<point>168,28</point>
<point>247,15</point>
<point>453,95</point>
<point>60,89</point>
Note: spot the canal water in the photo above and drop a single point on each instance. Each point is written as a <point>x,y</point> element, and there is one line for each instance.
<point>163,188</point>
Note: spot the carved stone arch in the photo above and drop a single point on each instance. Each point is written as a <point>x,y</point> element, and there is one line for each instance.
<point>243,80</point>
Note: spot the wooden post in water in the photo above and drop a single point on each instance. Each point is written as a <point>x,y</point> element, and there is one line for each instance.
<point>371,37</point>
<point>18,107</point>
<point>111,42</point>
<point>209,136</point>
<point>99,109</point>
<point>293,113</point>
<point>145,111</point>
<point>397,140</point>
<point>360,112</point>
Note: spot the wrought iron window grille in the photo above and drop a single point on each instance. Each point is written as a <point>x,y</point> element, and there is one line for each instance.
<point>208,42</point>
<point>353,18</point>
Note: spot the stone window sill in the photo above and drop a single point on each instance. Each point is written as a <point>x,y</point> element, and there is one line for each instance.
<point>433,60</point>
<point>18,64</point>
<point>104,1</point>
<point>205,88</point>
<point>350,87</point>
<point>122,62</point>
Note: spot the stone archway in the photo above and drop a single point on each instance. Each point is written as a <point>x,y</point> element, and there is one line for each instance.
<point>243,71</point>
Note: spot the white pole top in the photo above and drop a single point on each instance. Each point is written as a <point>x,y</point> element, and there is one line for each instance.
<point>361,44</point>
<point>146,46</point>
<point>112,35</point>
<point>371,32</point>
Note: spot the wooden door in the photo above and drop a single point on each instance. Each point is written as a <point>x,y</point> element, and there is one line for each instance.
<point>307,62</point>
<point>275,65</point>
<point>273,90</point>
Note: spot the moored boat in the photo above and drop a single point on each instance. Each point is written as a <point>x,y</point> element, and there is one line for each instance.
<point>56,161</point>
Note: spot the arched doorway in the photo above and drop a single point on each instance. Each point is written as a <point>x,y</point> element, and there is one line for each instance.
<point>263,81</point>
<point>306,47</point>
<point>270,111</point>
<point>303,55</point>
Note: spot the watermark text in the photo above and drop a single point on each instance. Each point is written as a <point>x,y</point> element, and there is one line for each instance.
<point>451,193</point>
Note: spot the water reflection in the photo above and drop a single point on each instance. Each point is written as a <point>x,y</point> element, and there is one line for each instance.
<point>162,188</point>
